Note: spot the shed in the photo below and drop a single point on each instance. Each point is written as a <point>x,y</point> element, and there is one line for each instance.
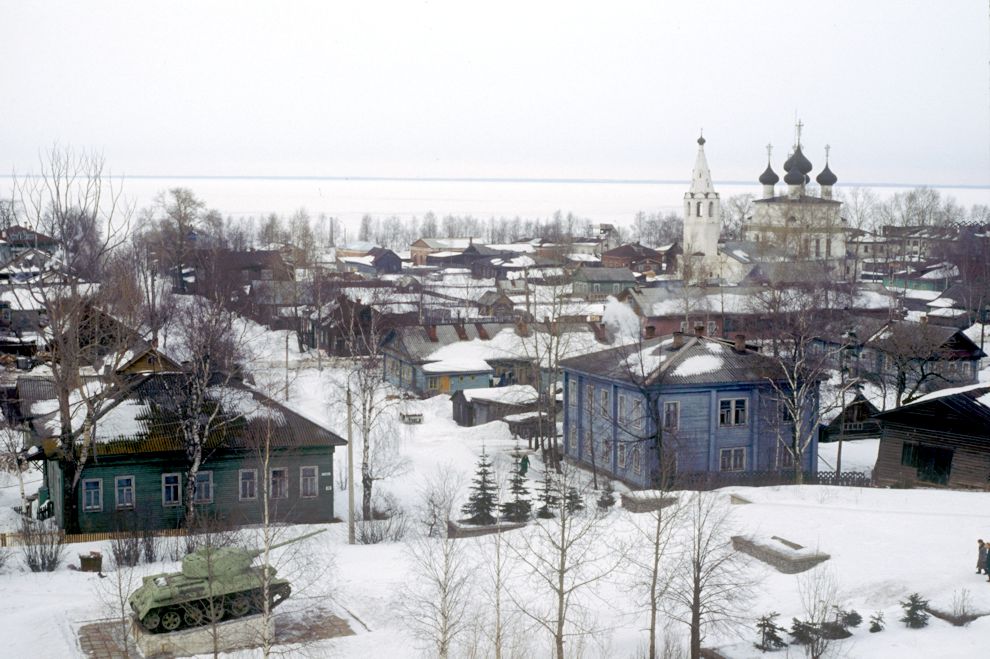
<point>473,407</point>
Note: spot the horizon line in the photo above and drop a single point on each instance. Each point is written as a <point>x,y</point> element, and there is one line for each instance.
<point>494,179</point>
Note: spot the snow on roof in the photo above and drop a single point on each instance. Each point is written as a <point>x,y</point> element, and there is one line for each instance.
<point>516,394</point>
<point>461,365</point>
<point>942,302</point>
<point>951,391</point>
<point>587,258</point>
<point>645,361</point>
<point>507,344</point>
<point>946,313</point>
<point>360,260</point>
<point>698,364</point>
<point>913,294</point>
<point>522,416</point>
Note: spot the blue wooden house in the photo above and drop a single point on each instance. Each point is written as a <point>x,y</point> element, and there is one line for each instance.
<point>136,473</point>
<point>712,398</point>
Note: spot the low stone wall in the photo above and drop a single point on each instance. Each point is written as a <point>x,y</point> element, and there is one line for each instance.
<point>783,555</point>
<point>641,502</point>
<point>455,530</point>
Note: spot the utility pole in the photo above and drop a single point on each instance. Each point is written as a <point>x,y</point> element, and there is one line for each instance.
<point>350,472</point>
<point>287,365</point>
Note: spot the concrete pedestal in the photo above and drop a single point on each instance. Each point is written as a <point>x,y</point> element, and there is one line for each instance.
<point>242,633</point>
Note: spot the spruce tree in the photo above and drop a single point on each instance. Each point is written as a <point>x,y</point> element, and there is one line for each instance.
<point>548,498</point>
<point>770,631</point>
<point>876,622</point>
<point>573,500</point>
<point>607,498</point>
<point>481,501</point>
<point>915,616</point>
<point>519,508</point>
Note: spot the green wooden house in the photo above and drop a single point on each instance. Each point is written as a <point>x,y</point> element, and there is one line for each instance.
<point>136,474</point>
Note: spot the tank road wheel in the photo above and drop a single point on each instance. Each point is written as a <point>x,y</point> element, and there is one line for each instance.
<point>192,614</point>
<point>171,620</point>
<point>239,606</point>
<point>213,610</point>
<point>151,621</point>
<point>280,593</point>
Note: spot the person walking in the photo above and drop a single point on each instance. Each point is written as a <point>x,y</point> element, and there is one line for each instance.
<point>981,562</point>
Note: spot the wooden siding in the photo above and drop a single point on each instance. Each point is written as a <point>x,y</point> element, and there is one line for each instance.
<point>970,457</point>
<point>150,511</point>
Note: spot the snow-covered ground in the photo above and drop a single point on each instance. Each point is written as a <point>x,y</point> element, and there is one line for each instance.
<point>884,544</point>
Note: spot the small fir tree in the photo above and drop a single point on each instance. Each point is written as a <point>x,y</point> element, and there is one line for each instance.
<point>548,499</point>
<point>573,500</point>
<point>876,622</point>
<point>802,633</point>
<point>915,616</point>
<point>519,508</point>
<point>850,618</point>
<point>607,498</point>
<point>769,631</point>
<point>481,502</point>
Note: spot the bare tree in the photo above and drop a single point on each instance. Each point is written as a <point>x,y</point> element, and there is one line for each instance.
<point>710,588</point>
<point>74,200</point>
<point>436,601</point>
<point>567,555</point>
<point>818,590</point>
<point>912,357</point>
<point>13,458</point>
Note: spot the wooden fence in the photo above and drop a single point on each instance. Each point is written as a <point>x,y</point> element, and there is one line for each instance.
<point>714,480</point>
<point>15,539</point>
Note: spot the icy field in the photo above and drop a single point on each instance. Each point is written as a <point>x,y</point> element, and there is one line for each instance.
<point>884,544</point>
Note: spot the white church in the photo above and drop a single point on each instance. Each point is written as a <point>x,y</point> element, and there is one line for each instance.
<point>794,234</point>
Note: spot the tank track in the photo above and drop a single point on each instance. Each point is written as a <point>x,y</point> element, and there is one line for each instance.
<point>199,613</point>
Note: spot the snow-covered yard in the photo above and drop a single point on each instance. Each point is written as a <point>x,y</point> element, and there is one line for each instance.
<point>884,545</point>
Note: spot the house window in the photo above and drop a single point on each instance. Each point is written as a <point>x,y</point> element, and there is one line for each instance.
<point>784,458</point>
<point>603,402</point>
<point>589,444</point>
<point>308,482</point>
<point>622,408</point>
<point>124,491</point>
<point>171,492</point>
<point>621,459</point>
<point>248,479</point>
<point>93,494</point>
<point>607,451</point>
<point>204,487</point>
<point>589,397</point>
<point>732,459</point>
<point>732,412</point>
<point>573,436</point>
<point>280,483</point>
<point>638,417</point>
<point>431,382</point>
<point>637,461</point>
<point>571,392</point>
<point>933,464</point>
<point>615,288</point>
<point>671,416</point>
<point>683,326</point>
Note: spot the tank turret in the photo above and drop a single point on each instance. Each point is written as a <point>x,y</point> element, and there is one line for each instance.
<point>215,583</point>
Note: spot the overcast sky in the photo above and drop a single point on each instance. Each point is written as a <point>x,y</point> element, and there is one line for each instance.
<point>500,89</point>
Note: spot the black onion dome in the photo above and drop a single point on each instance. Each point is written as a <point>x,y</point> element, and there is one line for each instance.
<point>826,177</point>
<point>769,177</point>
<point>794,176</point>
<point>701,140</point>
<point>800,161</point>
<point>789,163</point>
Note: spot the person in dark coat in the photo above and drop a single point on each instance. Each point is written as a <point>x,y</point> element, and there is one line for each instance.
<point>981,562</point>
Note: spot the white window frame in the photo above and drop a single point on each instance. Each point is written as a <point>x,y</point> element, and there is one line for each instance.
<point>637,412</point>
<point>732,453</point>
<point>604,408</point>
<point>271,483</point>
<point>302,482</point>
<point>99,493</point>
<point>734,411</point>
<point>571,393</point>
<point>621,412</point>
<point>432,382</point>
<point>589,442</point>
<point>116,492</point>
<point>241,482</point>
<point>637,460</point>
<point>197,498</point>
<point>589,397</point>
<point>620,460</point>
<point>676,405</point>
<point>178,490</point>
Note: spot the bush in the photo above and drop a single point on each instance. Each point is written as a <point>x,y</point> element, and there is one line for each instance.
<point>876,622</point>
<point>914,607</point>
<point>802,633</point>
<point>388,522</point>
<point>126,549</point>
<point>769,631</point>
<point>607,498</point>
<point>850,618</point>
<point>42,545</point>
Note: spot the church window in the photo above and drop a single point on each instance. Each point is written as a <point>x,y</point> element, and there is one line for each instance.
<point>818,246</point>
<point>711,209</point>
<point>698,209</point>
<point>828,247</point>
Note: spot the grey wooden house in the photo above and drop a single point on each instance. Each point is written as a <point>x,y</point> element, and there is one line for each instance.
<point>473,407</point>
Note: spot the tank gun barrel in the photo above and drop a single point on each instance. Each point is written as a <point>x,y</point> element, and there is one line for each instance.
<point>296,539</point>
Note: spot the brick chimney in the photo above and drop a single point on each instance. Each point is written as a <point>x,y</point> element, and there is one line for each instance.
<point>699,329</point>
<point>651,331</point>
<point>740,343</point>
<point>678,340</point>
